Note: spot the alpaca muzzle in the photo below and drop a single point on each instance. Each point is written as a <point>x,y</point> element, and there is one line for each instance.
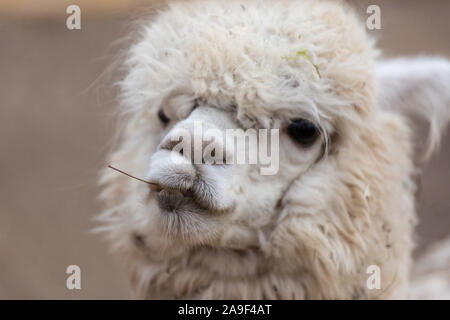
<point>181,187</point>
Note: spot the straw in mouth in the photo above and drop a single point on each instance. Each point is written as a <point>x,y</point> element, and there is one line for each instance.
<point>131,176</point>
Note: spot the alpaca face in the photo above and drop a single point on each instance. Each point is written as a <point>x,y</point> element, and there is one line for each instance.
<point>199,197</point>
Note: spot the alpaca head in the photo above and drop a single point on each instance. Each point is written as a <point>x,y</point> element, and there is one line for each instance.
<point>297,78</point>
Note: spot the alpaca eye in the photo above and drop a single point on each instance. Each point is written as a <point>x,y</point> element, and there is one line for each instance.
<point>162,117</point>
<point>303,131</point>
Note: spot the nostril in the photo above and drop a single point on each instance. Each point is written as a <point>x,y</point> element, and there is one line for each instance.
<point>169,144</point>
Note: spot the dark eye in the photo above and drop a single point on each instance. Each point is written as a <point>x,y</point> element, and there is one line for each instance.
<point>303,131</point>
<point>162,117</point>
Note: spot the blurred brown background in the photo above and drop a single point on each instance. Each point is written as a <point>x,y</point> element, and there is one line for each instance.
<point>56,123</point>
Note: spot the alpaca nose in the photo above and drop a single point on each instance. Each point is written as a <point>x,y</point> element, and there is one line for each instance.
<point>198,140</point>
<point>195,146</point>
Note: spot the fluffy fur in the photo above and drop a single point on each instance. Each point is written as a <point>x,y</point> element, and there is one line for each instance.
<point>335,208</point>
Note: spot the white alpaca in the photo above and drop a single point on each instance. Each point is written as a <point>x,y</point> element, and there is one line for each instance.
<point>343,198</point>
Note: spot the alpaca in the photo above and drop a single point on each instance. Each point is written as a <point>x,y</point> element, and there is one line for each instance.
<point>343,197</point>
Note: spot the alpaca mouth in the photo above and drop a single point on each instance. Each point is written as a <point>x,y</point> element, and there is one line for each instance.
<point>179,201</point>
<point>185,193</point>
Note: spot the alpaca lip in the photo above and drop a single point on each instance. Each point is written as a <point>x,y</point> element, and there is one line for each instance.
<point>174,200</point>
<point>186,193</point>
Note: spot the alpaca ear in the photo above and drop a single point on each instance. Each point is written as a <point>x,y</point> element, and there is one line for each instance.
<point>419,87</point>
